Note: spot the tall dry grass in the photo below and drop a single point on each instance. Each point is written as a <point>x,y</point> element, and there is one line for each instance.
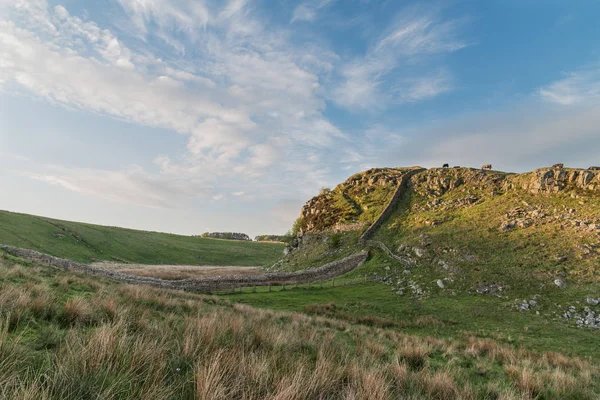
<point>132,342</point>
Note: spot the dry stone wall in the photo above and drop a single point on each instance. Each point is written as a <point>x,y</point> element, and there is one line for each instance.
<point>324,272</point>
<point>389,208</point>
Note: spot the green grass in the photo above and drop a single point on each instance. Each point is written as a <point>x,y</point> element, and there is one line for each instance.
<point>459,316</point>
<point>87,243</point>
<point>72,336</point>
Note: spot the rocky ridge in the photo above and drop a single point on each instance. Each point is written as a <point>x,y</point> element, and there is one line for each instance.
<point>355,202</point>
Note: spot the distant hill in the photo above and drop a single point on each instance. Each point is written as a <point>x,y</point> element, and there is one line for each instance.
<point>88,243</point>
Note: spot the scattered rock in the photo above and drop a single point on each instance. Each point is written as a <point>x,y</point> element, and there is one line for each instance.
<point>508,225</point>
<point>440,283</point>
<point>492,289</point>
<point>560,283</point>
<point>592,301</point>
<point>418,252</point>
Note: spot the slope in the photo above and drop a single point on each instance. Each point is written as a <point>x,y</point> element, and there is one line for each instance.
<point>88,243</point>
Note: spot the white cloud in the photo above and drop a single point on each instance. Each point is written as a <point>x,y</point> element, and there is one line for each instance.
<point>246,90</point>
<point>577,87</point>
<point>309,10</point>
<point>523,137</point>
<point>250,101</point>
<point>415,34</point>
<point>134,186</point>
<point>169,14</point>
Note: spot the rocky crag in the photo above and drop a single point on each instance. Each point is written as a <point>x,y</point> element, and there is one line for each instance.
<point>456,231</point>
<point>360,200</point>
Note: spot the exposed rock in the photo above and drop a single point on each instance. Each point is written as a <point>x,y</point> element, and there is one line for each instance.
<point>508,225</point>
<point>418,251</point>
<point>440,283</point>
<point>560,283</point>
<point>548,180</point>
<point>592,301</point>
<point>492,289</point>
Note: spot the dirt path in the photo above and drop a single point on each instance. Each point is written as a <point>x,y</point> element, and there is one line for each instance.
<point>174,272</point>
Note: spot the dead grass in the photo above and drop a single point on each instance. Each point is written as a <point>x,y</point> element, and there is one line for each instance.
<point>145,343</point>
<point>175,272</point>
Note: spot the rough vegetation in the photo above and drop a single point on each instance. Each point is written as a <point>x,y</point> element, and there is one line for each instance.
<point>67,336</point>
<point>270,238</point>
<point>89,243</point>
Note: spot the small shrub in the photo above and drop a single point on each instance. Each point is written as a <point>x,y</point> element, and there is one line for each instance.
<point>414,356</point>
<point>334,241</point>
<point>299,224</point>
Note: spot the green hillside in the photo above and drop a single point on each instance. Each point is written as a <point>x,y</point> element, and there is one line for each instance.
<point>515,257</point>
<point>88,243</point>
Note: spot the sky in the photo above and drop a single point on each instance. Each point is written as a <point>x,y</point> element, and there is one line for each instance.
<point>188,116</point>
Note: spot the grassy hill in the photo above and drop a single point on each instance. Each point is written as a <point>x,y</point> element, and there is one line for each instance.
<point>513,257</point>
<point>88,243</point>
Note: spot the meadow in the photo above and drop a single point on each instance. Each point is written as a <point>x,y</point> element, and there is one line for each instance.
<point>71,336</point>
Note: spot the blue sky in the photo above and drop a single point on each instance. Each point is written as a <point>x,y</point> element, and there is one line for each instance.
<point>194,115</point>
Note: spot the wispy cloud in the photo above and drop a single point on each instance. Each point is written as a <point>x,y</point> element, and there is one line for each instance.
<point>415,34</point>
<point>133,186</point>
<point>577,87</point>
<point>249,99</point>
<point>309,11</point>
<point>267,90</point>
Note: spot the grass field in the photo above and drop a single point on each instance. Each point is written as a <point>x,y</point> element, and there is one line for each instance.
<point>89,243</point>
<point>69,336</point>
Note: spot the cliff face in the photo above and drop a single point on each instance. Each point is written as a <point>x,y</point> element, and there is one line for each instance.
<point>358,201</point>
<point>554,180</point>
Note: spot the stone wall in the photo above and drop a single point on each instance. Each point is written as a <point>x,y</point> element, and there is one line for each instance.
<point>389,208</point>
<point>324,272</point>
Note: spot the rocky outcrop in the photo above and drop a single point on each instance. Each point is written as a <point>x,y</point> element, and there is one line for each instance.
<point>324,272</point>
<point>436,182</point>
<point>364,196</point>
<point>554,180</point>
<point>352,202</point>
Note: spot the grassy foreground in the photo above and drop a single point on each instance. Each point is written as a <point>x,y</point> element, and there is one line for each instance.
<point>69,336</point>
<point>88,243</point>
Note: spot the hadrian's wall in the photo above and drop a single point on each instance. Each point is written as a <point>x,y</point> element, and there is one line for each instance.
<point>324,272</point>
<point>389,208</point>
